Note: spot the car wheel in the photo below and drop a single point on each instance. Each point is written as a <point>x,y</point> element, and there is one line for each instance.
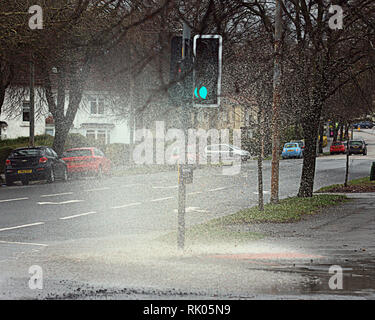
<point>51,177</point>
<point>8,182</point>
<point>25,182</point>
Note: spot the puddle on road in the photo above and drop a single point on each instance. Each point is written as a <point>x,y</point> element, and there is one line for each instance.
<point>357,278</point>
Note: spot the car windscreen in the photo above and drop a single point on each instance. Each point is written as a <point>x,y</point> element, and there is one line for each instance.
<point>25,153</point>
<point>355,143</point>
<point>290,145</point>
<point>77,153</point>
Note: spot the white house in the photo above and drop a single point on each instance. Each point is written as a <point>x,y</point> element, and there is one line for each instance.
<point>95,119</point>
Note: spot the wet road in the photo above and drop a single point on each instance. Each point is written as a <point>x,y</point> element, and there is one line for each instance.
<point>100,233</point>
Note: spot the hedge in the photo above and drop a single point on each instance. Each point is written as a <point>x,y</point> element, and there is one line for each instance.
<point>4,153</point>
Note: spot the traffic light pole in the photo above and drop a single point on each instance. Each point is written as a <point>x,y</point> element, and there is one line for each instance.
<point>32,105</point>
<point>185,108</point>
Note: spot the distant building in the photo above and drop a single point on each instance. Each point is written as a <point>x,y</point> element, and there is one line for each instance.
<point>95,119</point>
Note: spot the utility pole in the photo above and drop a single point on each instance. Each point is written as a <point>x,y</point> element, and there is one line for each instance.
<point>185,121</point>
<point>32,105</point>
<point>276,105</point>
<point>260,159</point>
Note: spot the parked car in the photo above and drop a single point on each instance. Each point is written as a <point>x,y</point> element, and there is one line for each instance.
<point>301,143</point>
<point>34,163</point>
<point>364,125</point>
<point>357,147</point>
<point>87,161</point>
<point>292,150</point>
<point>226,151</point>
<point>337,147</point>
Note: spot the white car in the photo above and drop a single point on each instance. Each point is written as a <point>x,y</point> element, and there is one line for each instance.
<point>226,151</point>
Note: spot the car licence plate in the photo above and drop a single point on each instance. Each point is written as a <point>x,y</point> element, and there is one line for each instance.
<point>25,171</point>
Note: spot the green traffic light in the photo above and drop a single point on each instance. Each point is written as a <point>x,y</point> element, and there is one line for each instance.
<point>202,92</point>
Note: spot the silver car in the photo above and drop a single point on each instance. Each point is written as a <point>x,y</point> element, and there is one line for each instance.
<point>226,151</point>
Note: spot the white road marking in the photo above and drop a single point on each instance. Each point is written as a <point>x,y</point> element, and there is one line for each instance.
<point>17,199</point>
<point>22,226</point>
<point>77,215</point>
<point>196,192</point>
<point>161,187</point>
<point>217,189</point>
<point>265,192</point>
<point>161,199</point>
<point>192,209</point>
<point>25,243</point>
<point>62,202</point>
<point>98,189</point>
<point>56,194</point>
<point>127,205</point>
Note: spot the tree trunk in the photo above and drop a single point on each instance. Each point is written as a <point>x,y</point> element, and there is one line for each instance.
<point>64,120</point>
<point>346,135</point>
<point>61,134</point>
<point>341,132</point>
<point>335,132</point>
<point>310,129</point>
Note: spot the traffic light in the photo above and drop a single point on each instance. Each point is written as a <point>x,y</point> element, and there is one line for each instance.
<point>207,50</point>
<point>181,72</point>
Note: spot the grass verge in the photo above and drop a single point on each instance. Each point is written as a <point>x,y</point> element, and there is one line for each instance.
<point>233,227</point>
<point>355,185</point>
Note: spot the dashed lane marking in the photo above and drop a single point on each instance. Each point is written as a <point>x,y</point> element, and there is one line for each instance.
<point>17,199</point>
<point>98,189</point>
<point>161,187</point>
<point>196,192</point>
<point>127,205</point>
<point>56,194</point>
<point>77,215</point>
<point>25,243</point>
<point>161,199</point>
<point>218,189</point>
<point>22,226</point>
<point>62,202</point>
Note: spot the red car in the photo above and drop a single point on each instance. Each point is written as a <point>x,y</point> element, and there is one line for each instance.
<point>337,147</point>
<point>87,160</point>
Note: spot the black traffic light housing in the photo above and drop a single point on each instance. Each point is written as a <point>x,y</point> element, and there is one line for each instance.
<point>181,72</point>
<point>207,51</point>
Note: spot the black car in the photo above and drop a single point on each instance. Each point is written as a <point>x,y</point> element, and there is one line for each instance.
<point>364,125</point>
<point>301,143</point>
<point>36,163</point>
<point>357,147</point>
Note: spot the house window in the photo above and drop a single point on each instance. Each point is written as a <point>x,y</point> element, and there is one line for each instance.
<point>50,131</point>
<point>26,112</point>
<point>101,137</point>
<point>96,105</point>
<point>90,134</point>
